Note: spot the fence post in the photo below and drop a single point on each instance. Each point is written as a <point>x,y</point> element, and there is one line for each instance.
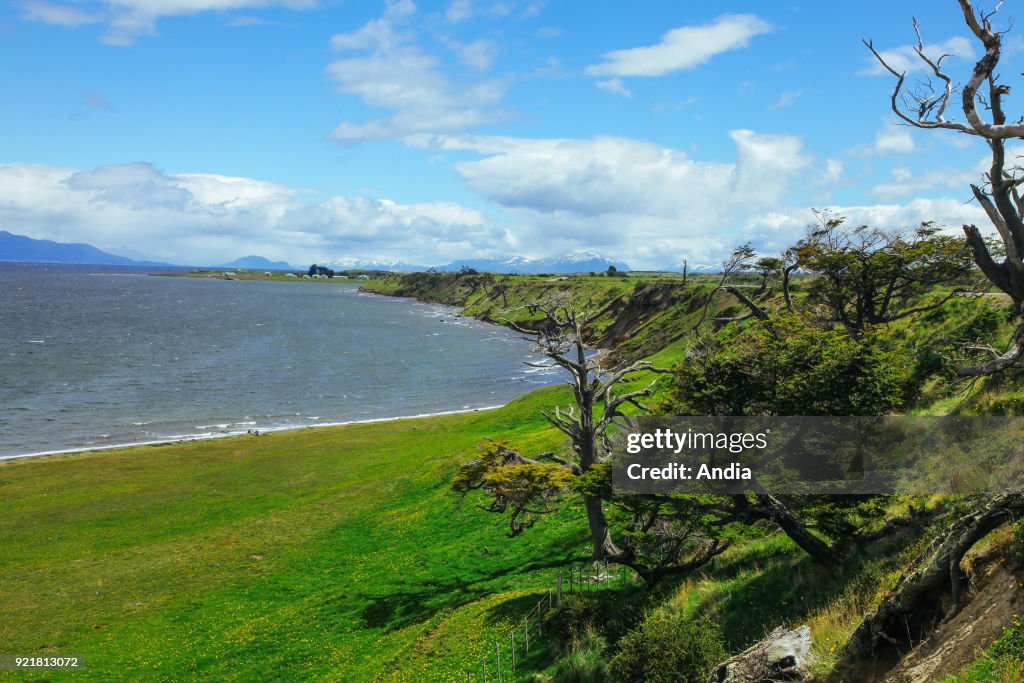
<point>497,654</point>
<point>559,588</point>
<point>483,664</point>
<point>512,645</point>
<point>526,632</point>
<point>549,598</point>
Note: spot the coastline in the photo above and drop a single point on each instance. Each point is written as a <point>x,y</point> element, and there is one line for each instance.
<point>190,438</point>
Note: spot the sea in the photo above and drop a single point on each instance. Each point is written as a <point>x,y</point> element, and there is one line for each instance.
<point>95,357</point>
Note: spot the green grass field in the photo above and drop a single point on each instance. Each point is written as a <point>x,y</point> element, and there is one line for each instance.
<point>333,553</point>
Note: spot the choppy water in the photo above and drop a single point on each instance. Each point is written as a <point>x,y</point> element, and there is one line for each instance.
<point>96,356</point>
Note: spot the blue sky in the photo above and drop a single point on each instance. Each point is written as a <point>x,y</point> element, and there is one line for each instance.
<point>197,131</point>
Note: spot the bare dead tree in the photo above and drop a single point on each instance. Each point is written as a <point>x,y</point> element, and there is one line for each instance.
<point>926,107</point>
<point>559,337</point>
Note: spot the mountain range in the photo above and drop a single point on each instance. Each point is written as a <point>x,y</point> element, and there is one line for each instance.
<point>257,263</point>
<point>24,249</point>
<point>27,250</point>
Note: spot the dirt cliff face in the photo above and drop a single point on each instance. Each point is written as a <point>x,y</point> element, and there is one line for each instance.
<point>649,318</point>
<point>633,317</point>
<point>996,596</point>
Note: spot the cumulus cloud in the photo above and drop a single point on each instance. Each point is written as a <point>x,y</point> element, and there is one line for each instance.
<point>127,20</point>
<point>202,218</point>
<point>683,48</point>
<point>479,54</point>
<point>891,138</point>
<point>776,230</point>
<point>637,199</point>
<point>397,76</point>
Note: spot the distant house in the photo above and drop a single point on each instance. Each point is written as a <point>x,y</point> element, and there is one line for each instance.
<point>364,277</point>
<point>227,275</point>
<point>291,275</point>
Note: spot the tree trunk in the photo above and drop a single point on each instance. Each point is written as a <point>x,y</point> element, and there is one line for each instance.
<point>819,551</point>
<point>600,536</point>
<point>918,603</point>
<point>783,655</point>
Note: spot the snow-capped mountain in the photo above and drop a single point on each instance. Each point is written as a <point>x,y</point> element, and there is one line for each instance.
<point>580,262</point>
<point>363,264</point>
<point>694,267</point>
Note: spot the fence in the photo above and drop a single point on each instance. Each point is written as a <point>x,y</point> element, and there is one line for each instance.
<point>497,667</point>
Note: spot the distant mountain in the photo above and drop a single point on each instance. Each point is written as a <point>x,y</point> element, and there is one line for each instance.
<point>695,268</point>
<point>581,262</point>
<point>350,263</point>
<point>257,263</point>
<point>27,250</point>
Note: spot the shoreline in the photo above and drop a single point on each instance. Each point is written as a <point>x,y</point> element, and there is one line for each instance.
<point>269,430</point>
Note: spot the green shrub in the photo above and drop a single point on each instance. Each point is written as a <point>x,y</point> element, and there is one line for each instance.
<point>668,649</point>
<point>585,663</point>
<point>608,613</point>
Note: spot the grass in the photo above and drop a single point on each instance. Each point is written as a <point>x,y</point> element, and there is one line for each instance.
<point>339,554</point>
<point>323,554</point>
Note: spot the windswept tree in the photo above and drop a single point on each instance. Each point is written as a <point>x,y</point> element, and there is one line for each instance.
<point>855,276</point>
<point>660,537</point>
<point>929,104</point>
<point>863,276</point>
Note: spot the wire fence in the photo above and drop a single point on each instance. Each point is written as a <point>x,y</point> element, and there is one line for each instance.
<point>501,664</point>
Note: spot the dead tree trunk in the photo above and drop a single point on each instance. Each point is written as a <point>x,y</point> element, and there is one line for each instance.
<point>931,594</point>
<point>925,107</point>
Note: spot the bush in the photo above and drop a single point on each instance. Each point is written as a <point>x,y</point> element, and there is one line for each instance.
<point>607,613</point>
<point>668,649</point>
<point>585,663</point>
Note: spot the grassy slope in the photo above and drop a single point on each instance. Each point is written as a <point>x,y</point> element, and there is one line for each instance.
<point>330,553</point>
<point>337,553</point>
<point>636,315</point>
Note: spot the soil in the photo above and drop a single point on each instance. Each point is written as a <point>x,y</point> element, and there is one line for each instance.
<point>997,594</point>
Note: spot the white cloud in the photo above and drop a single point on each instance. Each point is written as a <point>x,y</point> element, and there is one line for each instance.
<point>463,10</point>
<point>397,76</point>
<point>459,10</point>
<point>775,230</point>
<point>650,204</point>
<point>683,48</point>
<point>57,13</point>
<point>891,138</point>
<point>905,60</point>
<point>204,218</point>
<point>127,20</point>
<point>479,55</point>
<point>614,85</point>
<point>787,99</point>
<point>833,170</point>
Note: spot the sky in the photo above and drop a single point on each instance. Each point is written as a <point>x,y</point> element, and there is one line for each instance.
<point>199,131</point>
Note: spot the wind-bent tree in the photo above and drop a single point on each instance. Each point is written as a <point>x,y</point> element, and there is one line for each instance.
<point>864,276</point>
<point>662,537</point>
<point>818,352</point>
<point>856,277</point>
<point>926,106</point>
